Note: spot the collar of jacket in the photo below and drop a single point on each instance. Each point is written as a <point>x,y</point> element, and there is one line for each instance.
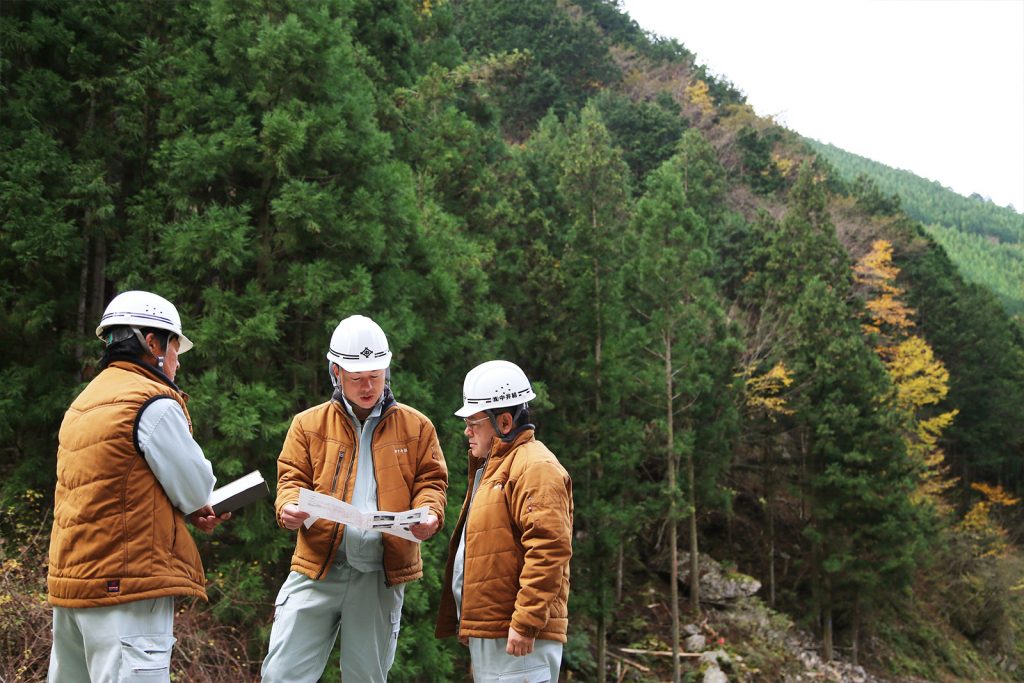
<point>499,448</point>
<point>127,361</point>
<point>387,400</point>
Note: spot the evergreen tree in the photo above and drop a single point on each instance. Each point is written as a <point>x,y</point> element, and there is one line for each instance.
<point>984,353</point>
<point>854,472</point>
<point>685,332</point>
<point>594,185</point>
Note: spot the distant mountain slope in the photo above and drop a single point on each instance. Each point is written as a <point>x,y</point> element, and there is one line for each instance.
<point>985,241</point>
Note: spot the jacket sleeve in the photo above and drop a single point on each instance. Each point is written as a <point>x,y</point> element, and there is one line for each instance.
<point>430,483</point>
<point>294,469</point>
<point>174,456</point>
<point>541,504</point>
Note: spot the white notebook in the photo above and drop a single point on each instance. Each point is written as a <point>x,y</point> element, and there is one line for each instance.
<point>239,493</point>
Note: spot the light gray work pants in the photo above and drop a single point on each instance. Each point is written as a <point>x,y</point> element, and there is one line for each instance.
<point>309,615</point>
<point>492,664</point>
<point>126,643</point>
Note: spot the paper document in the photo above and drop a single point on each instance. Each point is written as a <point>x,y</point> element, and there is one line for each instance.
<point>321,506</point>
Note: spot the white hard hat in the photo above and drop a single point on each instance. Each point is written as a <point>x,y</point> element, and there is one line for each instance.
<point>143,309</point>
<point>494,384</point>
<point>359,345</point>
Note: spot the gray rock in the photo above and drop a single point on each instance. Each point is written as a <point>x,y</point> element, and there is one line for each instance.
<point>716,584</point>
<point>695,643</point>
<point>715,658</point>
<point>714,675</point>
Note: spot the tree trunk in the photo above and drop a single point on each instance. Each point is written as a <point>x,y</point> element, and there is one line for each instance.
<point>99,280</point>
<point>673,525</point>
<point>769,496</point>
<point>619,572</point>
<point>598,321</point>
<point>826,637</point>
<point>602,646</point>
<point>855,633</point>
<point>83,302</point>
<point>691,487</point>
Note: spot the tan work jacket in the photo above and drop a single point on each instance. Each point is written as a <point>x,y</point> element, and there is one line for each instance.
<point>116,535</point>
<point>518,545</point>
<point>320,453</point>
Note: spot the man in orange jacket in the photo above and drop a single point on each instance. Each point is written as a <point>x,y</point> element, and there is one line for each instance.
<point>506,586</point>
<point>128,473</point>
<point>366,449</point>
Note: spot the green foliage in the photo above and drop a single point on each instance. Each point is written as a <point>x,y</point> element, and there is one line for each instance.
<point>569,56</point>
<point>646,132</point>
<point>756,164</point>
<point>928,201</point>
<point>872,200</point>
<point>854,477</point>
<point>619,27</point>
<point>984,353</point>
<point>997,266</point>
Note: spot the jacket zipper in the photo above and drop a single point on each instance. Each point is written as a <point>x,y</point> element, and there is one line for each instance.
<point>377,486</point>
<point>465,534</point>
<point>334,488</point>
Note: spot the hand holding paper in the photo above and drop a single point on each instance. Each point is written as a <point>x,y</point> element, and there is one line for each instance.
<point>292,517</point>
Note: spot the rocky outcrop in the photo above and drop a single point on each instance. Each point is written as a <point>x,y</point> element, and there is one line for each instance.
<point>717,585</point>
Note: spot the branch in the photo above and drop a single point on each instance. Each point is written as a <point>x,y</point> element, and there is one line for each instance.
<point>630,662</point>
<point>657,653</point>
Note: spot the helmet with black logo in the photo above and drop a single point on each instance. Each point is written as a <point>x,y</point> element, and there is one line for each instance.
<point>359,345</point>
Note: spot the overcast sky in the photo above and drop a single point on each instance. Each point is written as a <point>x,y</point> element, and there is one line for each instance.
<point>935,87</point>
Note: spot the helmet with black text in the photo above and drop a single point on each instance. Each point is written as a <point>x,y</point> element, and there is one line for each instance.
<point>130,312</point>
<point>358,345</point>
<point>494,385</point>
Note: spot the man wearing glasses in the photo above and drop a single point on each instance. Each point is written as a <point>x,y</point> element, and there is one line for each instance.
<point>506,585</point>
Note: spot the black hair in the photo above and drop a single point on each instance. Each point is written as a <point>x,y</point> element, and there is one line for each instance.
<point>522,410</point>
<point>131,346</point>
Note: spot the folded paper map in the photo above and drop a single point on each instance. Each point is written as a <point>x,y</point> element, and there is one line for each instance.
<point>321,506</point>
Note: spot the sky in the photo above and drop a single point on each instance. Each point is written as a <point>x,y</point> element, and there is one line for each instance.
<point>935,87</point>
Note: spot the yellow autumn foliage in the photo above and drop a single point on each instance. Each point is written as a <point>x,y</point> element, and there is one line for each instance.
<point>988,535</point>
<point>783,164</point>
<point>697,93</point>
<point>919,378</point>
<point>763,391</point>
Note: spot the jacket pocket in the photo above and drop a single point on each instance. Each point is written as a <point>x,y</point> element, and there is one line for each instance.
<point>396,626</point>
<point>145,659</point>
<point>535,674</point>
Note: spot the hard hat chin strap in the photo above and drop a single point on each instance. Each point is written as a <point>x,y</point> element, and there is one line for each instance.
<point>515,420</point>
<point>145,347</point>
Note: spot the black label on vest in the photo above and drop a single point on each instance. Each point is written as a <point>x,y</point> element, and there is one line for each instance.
<point>114,586</point>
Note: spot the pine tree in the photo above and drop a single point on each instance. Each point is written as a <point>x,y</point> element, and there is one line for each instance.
<point>685,332</point>
<point>854,471</point>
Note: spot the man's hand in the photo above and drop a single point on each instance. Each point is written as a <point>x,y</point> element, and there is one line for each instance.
<point>518,645</point>
<point>292,516</point>
<point>204,519</point>
<point>425,530</point>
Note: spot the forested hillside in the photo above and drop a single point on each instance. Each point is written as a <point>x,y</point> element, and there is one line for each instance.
<point>984,240</point>
<point>737,351</point>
